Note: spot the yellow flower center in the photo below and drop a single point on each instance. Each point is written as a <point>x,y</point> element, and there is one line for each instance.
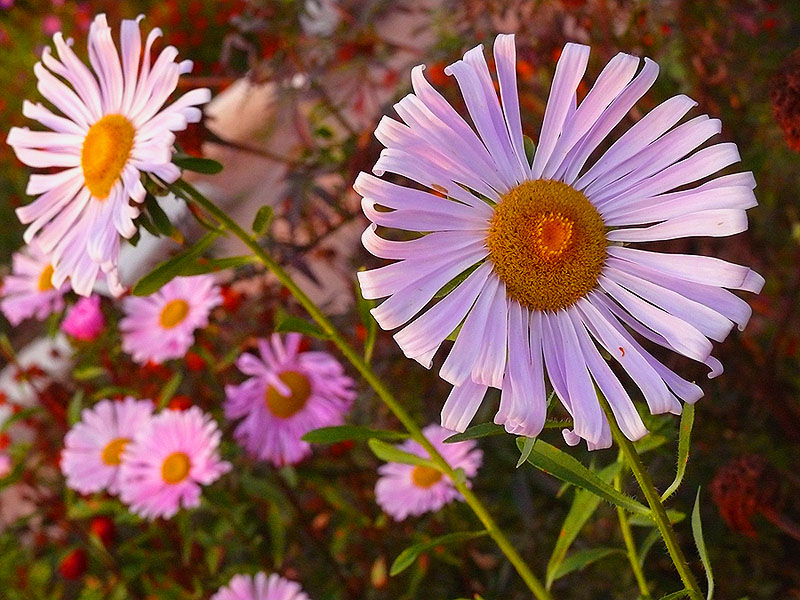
<point>106,150</point>
<point>46,279</point>
<point>547,243</point>
<point>284,407</point>
<point>173,313</point>
<point>112,453</point>
<point>175,468</point>
<point>425,477</point>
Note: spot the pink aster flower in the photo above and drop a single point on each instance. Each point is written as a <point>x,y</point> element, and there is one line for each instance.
<point>84,320</point>
<point>288,394</point>
<point>93,448</point>
<point>167,462</point>
<point>162,325</point>
<point>29,291</point>
<point>549,279</point>
<point>412,490</point>
<point>260,587</point>
<point>110,128</point>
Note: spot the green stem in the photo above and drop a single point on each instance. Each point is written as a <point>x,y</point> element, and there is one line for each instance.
<point>630,544</point>
<point>354,357</point>
<point>659,513</point>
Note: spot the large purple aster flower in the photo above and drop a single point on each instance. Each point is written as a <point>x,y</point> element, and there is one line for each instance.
<point>547,278</point>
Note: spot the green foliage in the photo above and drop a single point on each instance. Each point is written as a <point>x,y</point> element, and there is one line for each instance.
<point>407,557</point>
<point>700,543</point>
<point>341,433</point>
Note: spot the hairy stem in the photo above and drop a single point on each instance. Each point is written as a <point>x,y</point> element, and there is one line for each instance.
<point>659,513</point>
<point>354,357</point>
<point>630,545</point>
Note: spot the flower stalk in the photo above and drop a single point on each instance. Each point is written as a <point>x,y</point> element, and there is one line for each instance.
<point>659,513</point>
<point>191,194</point>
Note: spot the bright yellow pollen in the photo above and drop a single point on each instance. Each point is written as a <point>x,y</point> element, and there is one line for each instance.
<point>112,453</point>
<point>284,407</point>
<point>173,313</point>
<point>46,279</point>
<point>106,149</point>
<point>547,244</point>
<point>175,467</point>
<point>425,477</point>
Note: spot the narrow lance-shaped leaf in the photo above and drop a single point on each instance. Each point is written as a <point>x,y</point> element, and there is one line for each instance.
<point>561,465</point>
<point>157,214</point>
<point>295,324</point>
<point>676,595</point>
<point>407,557</point>
<point>176,266</point>
<point>525,450</point>
<point>684,441</point>
<point>206,166</point>
<point>390,453</point>
<point>583,558</point>
<point>341,433</point>
<point>262,219</point>
<point>700,542</point>
<point>481,430</point>
<point>168,391</point>
<point>583,506</point>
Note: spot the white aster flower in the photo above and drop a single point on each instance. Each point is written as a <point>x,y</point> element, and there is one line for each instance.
<point>112,127</point>
<point>547,277</point>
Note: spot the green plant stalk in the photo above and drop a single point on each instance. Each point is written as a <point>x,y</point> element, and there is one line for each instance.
<point>630,545</point>
<point>188,192</point>
<point>659,513</point>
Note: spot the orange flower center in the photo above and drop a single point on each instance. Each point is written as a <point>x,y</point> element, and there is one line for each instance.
<point>425,477</point>
<point>106,150</point>
<point>547,244</point>
<point>112,453</point>
<point>284,407</point>
<point>173,313</point>
<point>46,279</point>
<point>175,468</point>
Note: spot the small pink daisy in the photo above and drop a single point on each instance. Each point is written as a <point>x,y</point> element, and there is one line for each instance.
<point>167,462</point>
<point>84,321</point>
<point>93,447</point>
<point>162,325</point>
<point>404,490</point>
<point>260,587</point>
<point>28,291</point>
<point>288,394</point>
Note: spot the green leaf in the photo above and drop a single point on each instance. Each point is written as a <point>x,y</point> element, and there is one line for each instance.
<point>197,164</point>
<point>699,541</point>
<point>74,408</point>
<point>675,595</point>
<point>370,324</point>
<point>407,557</point>
<point>174,267</point>
<point>481,430</point>
<point>648,543</point>
<point>530,148</point>
<point>561,465</point>
<point>525,450</point>
<point>214,265</point>
<point>88,372</point>
<point>169,390</point>
<point>391,453</point>
<point>298,325</point>
<point>157,214</point>
<point>582,558</point>
<point>684,441</point>
<point>263,219</point>
<point>455,281</point>
<point>341,433</point>
<point>674,516</point>
<point>583,506</point>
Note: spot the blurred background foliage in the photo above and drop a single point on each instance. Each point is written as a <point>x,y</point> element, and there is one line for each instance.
<point>318,522</point>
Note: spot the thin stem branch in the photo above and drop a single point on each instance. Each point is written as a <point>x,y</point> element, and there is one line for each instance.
<point>354,357</point>
<point>630,545</point>
<point>659,513</point>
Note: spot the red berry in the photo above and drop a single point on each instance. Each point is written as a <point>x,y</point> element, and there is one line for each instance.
<point>73,565</point>
<point>103,528</point>
<point>180,403</point>
<point>194,362</point>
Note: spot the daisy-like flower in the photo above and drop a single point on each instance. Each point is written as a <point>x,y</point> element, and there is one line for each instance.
<point>288,394</point>
<point>112,127</point>
<point>260,587</point>
<point>29,291</point>
<point>542,247</point>
<point>412,490</point>
<point>93,447</point>
<point>167,462</point>
<point>162,325</point>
